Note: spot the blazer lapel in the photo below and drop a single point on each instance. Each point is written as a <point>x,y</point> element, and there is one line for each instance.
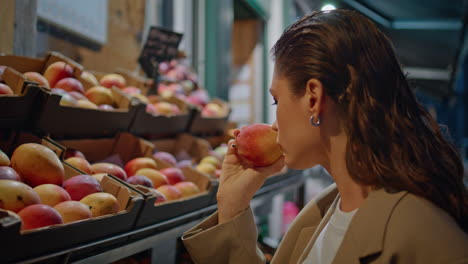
<point>318,230</point>
<point>302,241</point>
<point>364,239</point>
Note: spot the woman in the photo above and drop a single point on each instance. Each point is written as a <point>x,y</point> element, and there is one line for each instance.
<point>343,102</point>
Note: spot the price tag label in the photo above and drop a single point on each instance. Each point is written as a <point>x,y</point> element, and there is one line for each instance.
<point>161,45</point>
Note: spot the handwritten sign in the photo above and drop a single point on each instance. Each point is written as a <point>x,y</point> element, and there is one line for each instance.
<point>161,45</point>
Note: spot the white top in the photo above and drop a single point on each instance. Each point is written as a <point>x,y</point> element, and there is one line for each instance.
<point>325,247</point>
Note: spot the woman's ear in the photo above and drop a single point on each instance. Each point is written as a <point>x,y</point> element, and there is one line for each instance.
<point>315,96</point>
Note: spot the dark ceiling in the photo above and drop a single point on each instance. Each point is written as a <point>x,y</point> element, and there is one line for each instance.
<point>426,33</point>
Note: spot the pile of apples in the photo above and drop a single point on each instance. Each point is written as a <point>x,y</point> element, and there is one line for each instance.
<point>166,184</point>
<point>182,85</point>
<point>211,164</point>
<point>32,185</point>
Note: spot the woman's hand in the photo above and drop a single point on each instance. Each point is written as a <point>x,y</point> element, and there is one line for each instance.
<point>239,182</point>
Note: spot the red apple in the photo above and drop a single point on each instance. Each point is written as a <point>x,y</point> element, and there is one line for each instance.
<point>4,160</point>
<point>151,109</point>
<point>187,188</point>
<point>139,163</point>
<point>80,164</point>
<point>15,196</point>
<point>77,95</point>
<point>113,79</point>
<point>171,192</point>
<point>256,144</point>
<point>72,211</point>
<point>57,71</point>
<point>52,194</point>
<point>166,156</point>
<point>160,198</point>
<point>7,173</point>
<point>141,180</point>
<point>174,175</point>
<point>184,163</point>
<point>100,95</point>
<point>39,215</point>
<point>110,168</point>
<point>37,77</point>
<point>74,153</point>
<point>101,203</point>
<point>37,164</point>
<point>155,176</point>
<point>5,89</point>
<point>81,185</point>
<point>90,78</point>
<point>70,84</point>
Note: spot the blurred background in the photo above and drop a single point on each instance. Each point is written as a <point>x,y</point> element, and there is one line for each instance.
<point>227,43</point>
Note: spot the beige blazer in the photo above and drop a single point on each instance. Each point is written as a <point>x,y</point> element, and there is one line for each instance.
<point>388,228</point>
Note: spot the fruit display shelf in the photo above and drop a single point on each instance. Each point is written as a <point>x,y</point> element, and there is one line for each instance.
<point>160,238</point>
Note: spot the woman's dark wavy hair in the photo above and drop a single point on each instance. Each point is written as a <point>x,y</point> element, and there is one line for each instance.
<point>393,142</point>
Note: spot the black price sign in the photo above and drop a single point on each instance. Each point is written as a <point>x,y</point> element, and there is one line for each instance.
<point>161,45</point>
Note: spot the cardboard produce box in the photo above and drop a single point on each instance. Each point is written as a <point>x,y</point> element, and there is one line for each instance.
<point>152,126</point>
<point>210,126</point>
<point>76,122</point>
<point>23,107</point>
<point>46,240</point>
<point>27,64</point>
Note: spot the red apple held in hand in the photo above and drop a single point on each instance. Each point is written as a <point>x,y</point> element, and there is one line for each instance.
<point>174,175</point>
<point>39,215</point>
<point>57,71</point>
<point>36,164</point>
<point>81,185</point>
<point>80,164</point>
<point>72,211</point>
<point>187,188</point>
<point>257,145</point>
<point>155,176</point>
<point>37,77</point>
<point>110,168</point>
<point>7,173</point>
<point>135,164</point>
<point>166,156</point>
<point>52,194</point>
<point>170,192</point>
<point>141,180</point>
<point>113,79</point>
<point>5,89</point>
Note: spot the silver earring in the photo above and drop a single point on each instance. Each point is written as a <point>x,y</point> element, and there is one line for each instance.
<point>311,120</point>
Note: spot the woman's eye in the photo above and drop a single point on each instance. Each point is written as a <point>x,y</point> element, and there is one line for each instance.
<point>274,102</point>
